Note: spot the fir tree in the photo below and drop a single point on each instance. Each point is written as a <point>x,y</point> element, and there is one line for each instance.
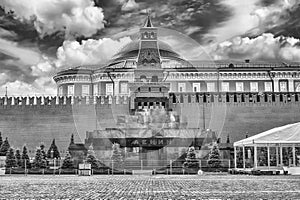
<point>25,158</point>
<point>42,147</point>
<point>53,148</point>
<point>214,156</point>
<point>91,158</point>
<point>117,157</point>
<point>1,141</point>
<point>68,162</point>
<point>44,155</point>
<point>191,160</point>
<point>10,159</point>
<point>4,147</point>
<point>18,158</point>
<point>39,161</point>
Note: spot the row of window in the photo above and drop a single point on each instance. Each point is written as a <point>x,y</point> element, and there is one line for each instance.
<point>85,89</point>
<point>196,87</point>
<point>239,87</point>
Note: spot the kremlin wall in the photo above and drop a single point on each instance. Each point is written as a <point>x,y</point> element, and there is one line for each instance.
<point>236,115</point>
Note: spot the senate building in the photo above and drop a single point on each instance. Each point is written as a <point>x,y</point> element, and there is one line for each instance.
<point>150,68</point>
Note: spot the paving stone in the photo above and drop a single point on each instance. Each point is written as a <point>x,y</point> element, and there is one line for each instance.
<point>149,187</point>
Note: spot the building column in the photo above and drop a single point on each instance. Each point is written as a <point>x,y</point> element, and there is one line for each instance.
<point>234,156</point>
<point>281,159</point>
<point>116,88</point>
<point>291,85</point>
<point>294,155</point>
<point>277,157</point>
<point>276,85</point>
<point>268,150</point>
<point>255,157</point>
<point>244,158</point>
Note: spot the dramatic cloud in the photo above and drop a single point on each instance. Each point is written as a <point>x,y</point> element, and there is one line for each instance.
<point>40,36</point>
<point>238,24</point>
<point>274,15</point>
<point>264,47</point>
<point>75,17</point>
<point>90,51</point>
<point>23,54</point>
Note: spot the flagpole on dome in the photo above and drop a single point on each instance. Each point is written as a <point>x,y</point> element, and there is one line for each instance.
<point>148,22</point>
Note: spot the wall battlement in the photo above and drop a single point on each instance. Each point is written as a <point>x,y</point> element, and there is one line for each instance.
<point>236,99</point>
<point>49,101</point>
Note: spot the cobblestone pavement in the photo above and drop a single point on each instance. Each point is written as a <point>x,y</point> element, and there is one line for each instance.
<point>149,187</point>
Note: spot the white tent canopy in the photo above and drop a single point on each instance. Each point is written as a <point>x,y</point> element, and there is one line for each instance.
<point>288,134</point>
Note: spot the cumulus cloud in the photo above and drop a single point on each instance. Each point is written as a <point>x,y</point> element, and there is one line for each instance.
<point>90,51</point>
<point>24,79</point>
<point>21,88</point>
<point>75,17</point>
<point>263,47</point>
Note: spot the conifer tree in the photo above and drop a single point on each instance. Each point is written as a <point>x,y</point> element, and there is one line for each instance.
<point>10,159</point>
<point>68,162</point>
<point>39,161</point>
<point>53,148</point>
<point>214,156</point>
<point>117,157</point>
<point>4,147</point>
<point>25,158</point>
<point>42,147</point>
<point>191,160</point>
<point>91,158</point>
<point>18,158</point>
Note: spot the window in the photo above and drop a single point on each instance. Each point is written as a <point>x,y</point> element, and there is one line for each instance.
<point>196,87</point>
<point>124,88</point>
<point>253,86</point>
<point>109,89</point>
<point>181,87</point>
<point>96,91</point>
<point>70,90</point>
<point>85,90</point>
<point>225,86</point>
<point>239,86</point>
<point>60,91</point>
<point>210,87</point>
<point>297,86</point>
<point>154,79</point>
<point>283,86</point>
<point>268,86</point>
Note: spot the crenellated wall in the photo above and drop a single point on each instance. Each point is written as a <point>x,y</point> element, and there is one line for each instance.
<point>237,114</point>
<point>31,120</point>
<point>41,119</point>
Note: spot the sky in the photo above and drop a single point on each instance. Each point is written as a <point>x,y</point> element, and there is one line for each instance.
<point>40,37</point>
